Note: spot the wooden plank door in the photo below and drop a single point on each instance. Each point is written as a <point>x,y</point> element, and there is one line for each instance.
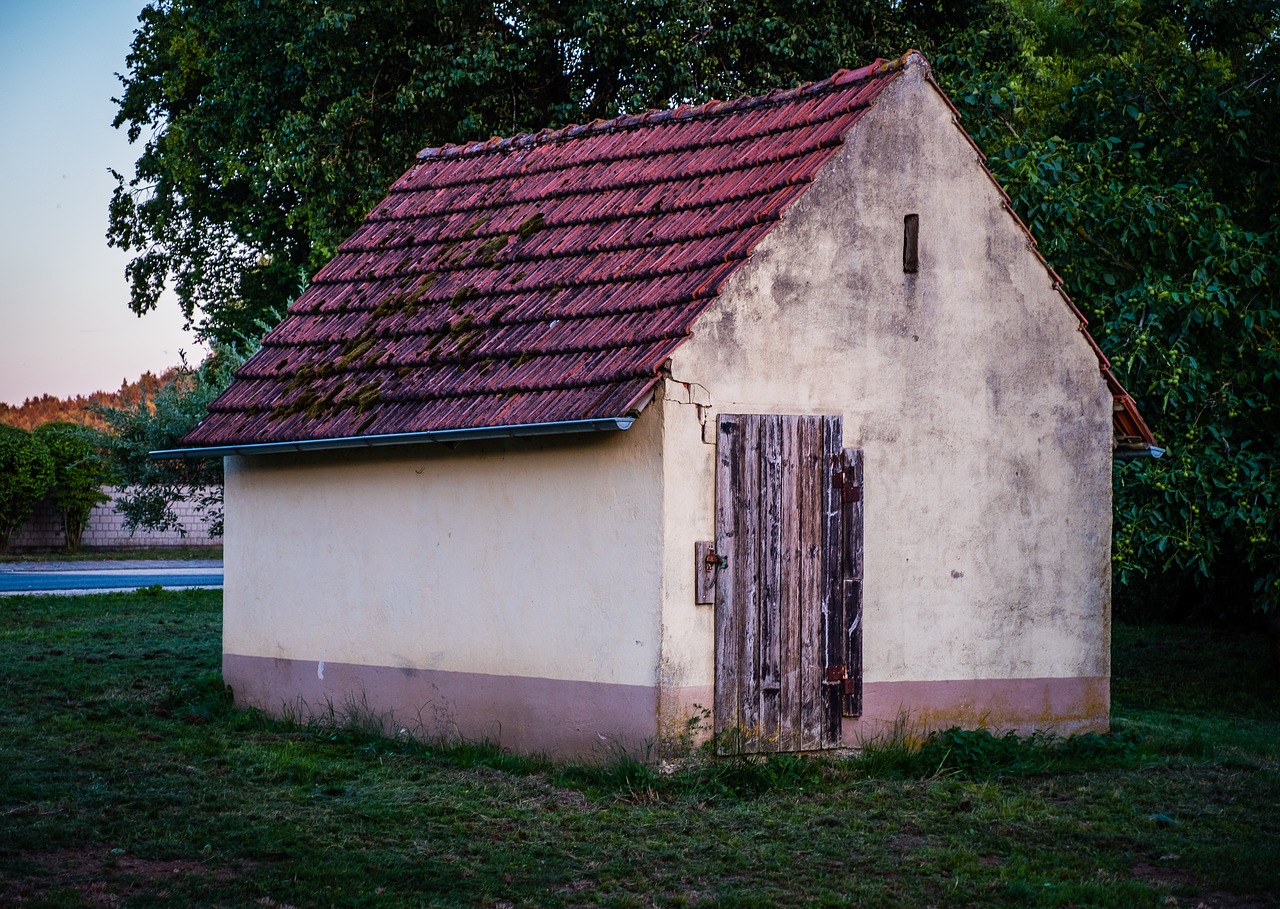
<point>788,589</point>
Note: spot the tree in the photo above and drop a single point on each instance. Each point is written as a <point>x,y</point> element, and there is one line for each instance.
<point>77,409</point>
<point>152,488</point>
<point>272,128</point>
<point>79,473</point>
<point>26,475</point>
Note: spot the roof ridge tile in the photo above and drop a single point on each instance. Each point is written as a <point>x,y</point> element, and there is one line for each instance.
<point>711,107</point>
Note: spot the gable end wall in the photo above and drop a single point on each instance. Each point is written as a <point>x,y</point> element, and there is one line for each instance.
<point>985,421</point>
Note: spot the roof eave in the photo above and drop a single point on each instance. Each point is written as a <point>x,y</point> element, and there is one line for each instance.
<point>441,436</point>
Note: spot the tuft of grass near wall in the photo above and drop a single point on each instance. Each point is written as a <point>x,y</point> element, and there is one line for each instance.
<point>129,778</point>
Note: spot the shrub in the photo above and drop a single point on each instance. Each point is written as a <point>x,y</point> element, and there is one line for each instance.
<point>79,475</point>
<point>154,488</point>
<point>26,475</point>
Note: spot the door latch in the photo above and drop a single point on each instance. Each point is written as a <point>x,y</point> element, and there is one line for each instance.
<point>707,564</point>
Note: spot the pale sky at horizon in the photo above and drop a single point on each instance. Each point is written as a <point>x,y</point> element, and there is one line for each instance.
<point>65,324</point>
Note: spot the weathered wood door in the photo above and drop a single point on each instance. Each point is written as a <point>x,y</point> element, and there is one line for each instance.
<point>789,582</point>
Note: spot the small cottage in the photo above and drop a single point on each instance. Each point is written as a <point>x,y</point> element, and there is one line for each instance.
<point>765,412</point>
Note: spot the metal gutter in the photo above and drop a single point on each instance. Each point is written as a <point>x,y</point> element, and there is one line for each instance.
<point>401,438</point>
<point>1132,454</point>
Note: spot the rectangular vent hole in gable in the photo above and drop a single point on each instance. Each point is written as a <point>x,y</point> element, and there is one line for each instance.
<point>911,244</point>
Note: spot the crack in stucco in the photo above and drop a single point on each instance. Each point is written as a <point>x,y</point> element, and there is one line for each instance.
<point>696,395</point>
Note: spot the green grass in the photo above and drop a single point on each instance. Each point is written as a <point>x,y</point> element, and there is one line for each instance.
<point>129,779</point>
<point>166,553</point>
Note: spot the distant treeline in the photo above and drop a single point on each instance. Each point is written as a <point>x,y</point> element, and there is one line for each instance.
<point>82,409</point>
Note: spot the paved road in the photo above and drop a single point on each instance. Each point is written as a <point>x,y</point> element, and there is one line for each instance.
<point>99,577</point>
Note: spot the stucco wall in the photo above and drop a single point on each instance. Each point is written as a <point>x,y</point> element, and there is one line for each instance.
<point>981,409</point>
<point>507,590</point>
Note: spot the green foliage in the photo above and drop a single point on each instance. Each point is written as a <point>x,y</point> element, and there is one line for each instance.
<point>754,776</point>
<point>80,472</point>
<point>26,475</point>
<point>272,129</point>
<point>152,488</point>
<point>700,773</point>
<point>981,754</point>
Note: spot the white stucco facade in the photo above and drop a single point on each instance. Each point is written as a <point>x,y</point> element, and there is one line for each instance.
<point>978,402</point>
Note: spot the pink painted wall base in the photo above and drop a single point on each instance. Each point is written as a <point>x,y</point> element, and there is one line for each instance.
<point>592,719</point>
<point>528,715</point>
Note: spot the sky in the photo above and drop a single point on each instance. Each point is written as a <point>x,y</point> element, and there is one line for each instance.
<point>65,324</point>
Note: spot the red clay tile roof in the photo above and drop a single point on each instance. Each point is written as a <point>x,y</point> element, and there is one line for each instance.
<point>539,279</point>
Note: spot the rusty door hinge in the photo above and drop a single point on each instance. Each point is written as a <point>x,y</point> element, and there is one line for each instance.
<point>847,482</point>
<point>851,491</point>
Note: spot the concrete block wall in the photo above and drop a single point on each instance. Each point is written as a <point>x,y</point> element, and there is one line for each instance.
<point>105,529</point>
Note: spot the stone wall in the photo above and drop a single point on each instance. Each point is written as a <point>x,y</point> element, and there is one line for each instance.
<point>106,530</point>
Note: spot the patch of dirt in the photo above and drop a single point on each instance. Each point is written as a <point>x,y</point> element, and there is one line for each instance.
<point>1224,900</point>
<point>101,877</point>
<point>1163,872</point>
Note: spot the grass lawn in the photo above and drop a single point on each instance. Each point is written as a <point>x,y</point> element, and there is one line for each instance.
<point>126,779</point>
<point>156,554</point>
